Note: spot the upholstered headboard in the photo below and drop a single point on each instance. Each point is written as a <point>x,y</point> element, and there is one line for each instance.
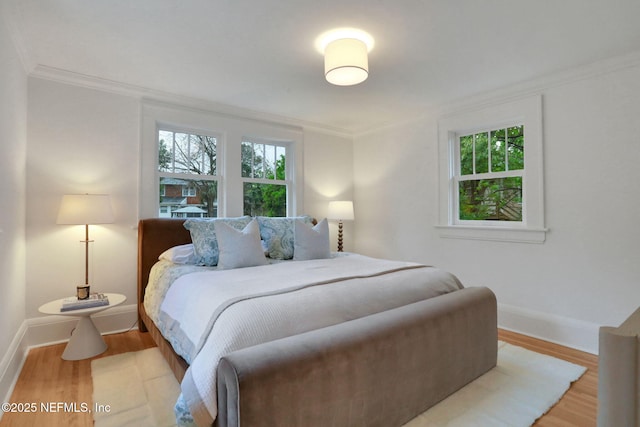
<point>156,235</point>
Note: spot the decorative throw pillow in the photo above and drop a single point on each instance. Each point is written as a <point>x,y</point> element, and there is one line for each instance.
<point>277,233</point>
<point>181,254</point>
<point>311,243</point>
<point>239,248</point>
<point>203,236</point>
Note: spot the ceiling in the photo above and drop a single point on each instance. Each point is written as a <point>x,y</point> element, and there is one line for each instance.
<point>260,55</point>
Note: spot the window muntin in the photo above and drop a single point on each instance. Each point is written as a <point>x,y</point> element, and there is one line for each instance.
<point>489,173</point>
<point>187,169</point>
<point>264,175</point>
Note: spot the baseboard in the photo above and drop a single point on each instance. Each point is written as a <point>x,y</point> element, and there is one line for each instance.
<point>42,331</point>
<point>12,362</point>
<point>565,331</point>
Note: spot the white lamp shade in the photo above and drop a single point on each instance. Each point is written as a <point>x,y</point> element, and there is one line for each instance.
<point>346,62</point>
<point>85,209</point>
<point>341,210</point>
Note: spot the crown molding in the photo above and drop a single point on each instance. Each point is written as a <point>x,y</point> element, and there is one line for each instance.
<point>516,91</point>
<point>477,101</point>
<point>152,95</point>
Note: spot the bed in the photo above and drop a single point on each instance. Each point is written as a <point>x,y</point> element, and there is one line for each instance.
<point>376,365</point>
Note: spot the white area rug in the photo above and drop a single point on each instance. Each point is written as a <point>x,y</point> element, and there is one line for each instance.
<point>141,391</point>
<point>522,388</point>
<point>139,388</point>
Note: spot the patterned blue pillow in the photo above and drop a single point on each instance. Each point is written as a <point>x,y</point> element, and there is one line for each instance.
<point>278,235</point>
<point>203,236</point>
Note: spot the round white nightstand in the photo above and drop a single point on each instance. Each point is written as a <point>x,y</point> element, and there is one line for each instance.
<point>85,340</point>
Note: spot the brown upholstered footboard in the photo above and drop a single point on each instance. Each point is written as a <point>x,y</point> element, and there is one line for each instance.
<point>379,370</point>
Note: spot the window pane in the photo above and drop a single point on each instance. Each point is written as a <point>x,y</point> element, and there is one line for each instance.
<point>497,199</point>
<point>165,151</point>
<point>269,161</point>
<point>247,160</point>
<point>466,155</point>
<point>281,163</point>
<point>180,152</point>
<point>265,199</point>
<point>188,198</point>
<point>482,152</point>
<point>263,161</point>
<point>498,151</point>
<point>515,147</point>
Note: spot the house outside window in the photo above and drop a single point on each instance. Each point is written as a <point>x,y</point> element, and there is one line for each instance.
<point>187,169</point>
<point>490,179</point>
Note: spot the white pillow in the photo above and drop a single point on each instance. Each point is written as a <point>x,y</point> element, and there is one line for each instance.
<point>239,248</point>
<point>311,243</point>
<point>181,254</point>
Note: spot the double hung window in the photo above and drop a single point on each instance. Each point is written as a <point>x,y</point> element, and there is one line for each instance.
<point>264,178</point>
<point>199,163</point>
<point>491,173</point>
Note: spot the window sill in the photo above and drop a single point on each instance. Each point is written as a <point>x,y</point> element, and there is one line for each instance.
<point>499,234</point>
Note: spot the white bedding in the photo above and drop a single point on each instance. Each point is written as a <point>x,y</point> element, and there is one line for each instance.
<point>212,313</point>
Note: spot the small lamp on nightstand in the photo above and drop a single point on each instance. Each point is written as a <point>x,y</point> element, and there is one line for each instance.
<point>340,211</point>
<point>77,209</point>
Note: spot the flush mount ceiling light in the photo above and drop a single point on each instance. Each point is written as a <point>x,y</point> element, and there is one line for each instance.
<point>345,52</point>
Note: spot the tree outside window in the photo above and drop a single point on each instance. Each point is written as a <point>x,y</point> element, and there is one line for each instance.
<point>490,177</point>
<point>265,183</point>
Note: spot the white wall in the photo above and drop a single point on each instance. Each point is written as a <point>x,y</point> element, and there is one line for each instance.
<point>587,272</point>
<point>80,141</point>
<point>87,140</point>
<point>13,140</point>
<point>328,175</point>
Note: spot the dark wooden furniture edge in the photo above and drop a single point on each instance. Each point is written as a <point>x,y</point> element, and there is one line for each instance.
<point>156,235</point>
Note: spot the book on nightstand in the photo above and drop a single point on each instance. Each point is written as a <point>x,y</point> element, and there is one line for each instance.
<point>94,300</point>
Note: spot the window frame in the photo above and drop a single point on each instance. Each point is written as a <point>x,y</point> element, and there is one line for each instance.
<point>527,112</point>
<point>231,130</point>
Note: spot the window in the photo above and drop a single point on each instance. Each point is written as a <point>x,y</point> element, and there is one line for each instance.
<point>264,175</point>
<point>488,175</point>
<point>188,191</point>
<point>490,180</point>
<point>188,174</point>
<point>192,163</point>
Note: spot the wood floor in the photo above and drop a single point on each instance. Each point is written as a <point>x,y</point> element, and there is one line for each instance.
<point>46,379</point>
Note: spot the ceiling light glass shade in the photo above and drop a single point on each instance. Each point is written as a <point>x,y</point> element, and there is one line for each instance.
<point>346,62</point>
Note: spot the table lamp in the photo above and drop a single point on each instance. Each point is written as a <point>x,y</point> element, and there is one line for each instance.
<point>87,209</point>
<point>341,211</point>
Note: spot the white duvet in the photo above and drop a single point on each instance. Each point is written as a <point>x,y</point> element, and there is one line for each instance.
<point>208,314</point>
